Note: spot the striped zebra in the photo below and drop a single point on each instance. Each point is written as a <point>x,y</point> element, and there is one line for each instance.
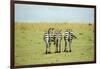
<point>48,38</point>
<point>68,37</point>
<point>58,38</point>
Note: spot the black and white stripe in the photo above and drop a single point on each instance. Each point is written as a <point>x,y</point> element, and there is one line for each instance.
<point>68,37</point>
<point>48,38</point>
<point>58,37</point>
<point>55,36</point>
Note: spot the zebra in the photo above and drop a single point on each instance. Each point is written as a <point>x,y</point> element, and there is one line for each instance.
<point>58,38</point>
<point>68,37</point>
<point>48,38</point>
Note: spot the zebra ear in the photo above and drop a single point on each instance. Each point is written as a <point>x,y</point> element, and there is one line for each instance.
<point>49,28</point>
<point>70,30</point>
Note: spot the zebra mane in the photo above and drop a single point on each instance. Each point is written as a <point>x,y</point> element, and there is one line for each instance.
<point>50,29</point>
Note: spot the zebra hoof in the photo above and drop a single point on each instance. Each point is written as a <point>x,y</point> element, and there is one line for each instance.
<point>59,51</point>
<point>70,51</point>
<point>46,52</point>
<point>65,51</point>
<point>56,52</point>
<point>49,52</point>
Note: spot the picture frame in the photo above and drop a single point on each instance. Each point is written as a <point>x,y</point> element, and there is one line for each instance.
<point>14,45</point>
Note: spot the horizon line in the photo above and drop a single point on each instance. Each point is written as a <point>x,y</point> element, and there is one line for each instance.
<point>57,22</point>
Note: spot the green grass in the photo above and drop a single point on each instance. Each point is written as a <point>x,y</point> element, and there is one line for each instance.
<point>30,47</point>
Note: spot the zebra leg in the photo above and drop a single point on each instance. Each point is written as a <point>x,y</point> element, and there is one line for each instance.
<point>49,48</point>
<point>59,46</point>
<point>46,51</point>
<point>70,45</point>
<point>46,48</point>
<point>56,48</point>
<point>65,50</point>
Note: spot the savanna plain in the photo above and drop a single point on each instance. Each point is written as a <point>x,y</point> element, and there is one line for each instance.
<point>30,46</point>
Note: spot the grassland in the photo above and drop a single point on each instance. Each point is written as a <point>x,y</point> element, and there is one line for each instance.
<point>30,47</point>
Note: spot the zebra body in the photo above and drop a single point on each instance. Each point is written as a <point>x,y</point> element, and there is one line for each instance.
<point>48,38</point>
<point>68,37</point>
<point>55,36</point>
<point>58,37</point>
<point>47,42</point>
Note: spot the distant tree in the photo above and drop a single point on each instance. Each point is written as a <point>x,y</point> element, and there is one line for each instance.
<point>89,24</point>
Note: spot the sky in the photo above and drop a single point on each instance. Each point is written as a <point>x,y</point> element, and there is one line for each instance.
<point>43,13</point>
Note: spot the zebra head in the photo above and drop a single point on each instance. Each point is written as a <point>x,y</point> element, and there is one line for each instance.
<point>58,35</point>
<point>68,34</point>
